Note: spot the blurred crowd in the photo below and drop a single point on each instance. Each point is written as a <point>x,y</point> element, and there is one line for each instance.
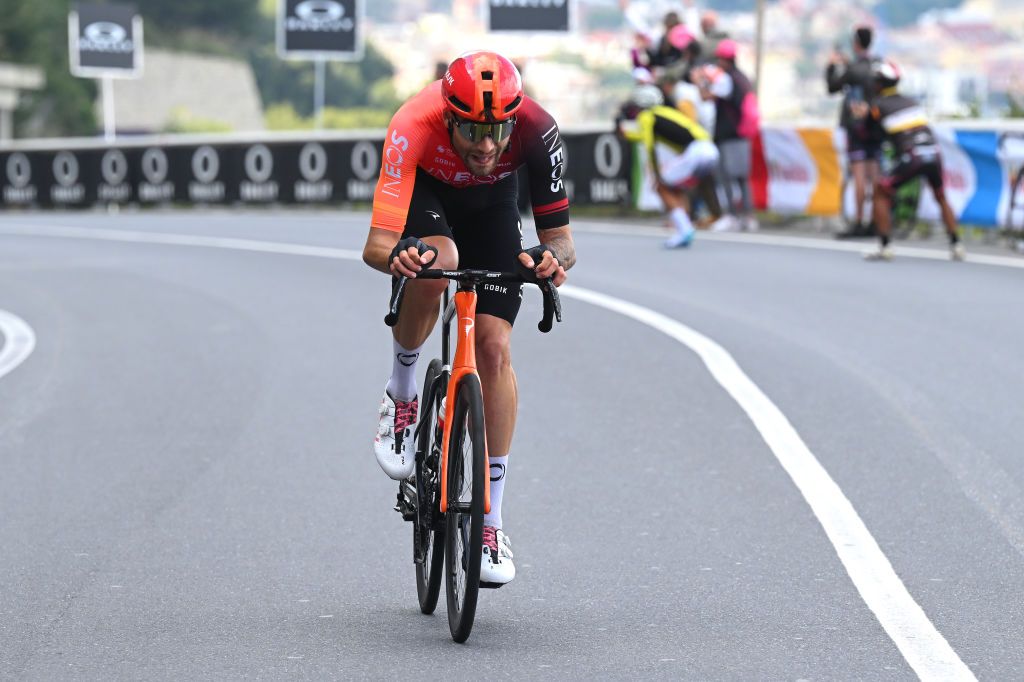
<point>695,112</point>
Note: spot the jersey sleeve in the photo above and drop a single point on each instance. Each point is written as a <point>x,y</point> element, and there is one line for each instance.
<point>544,158</point>
<point>403,146</point>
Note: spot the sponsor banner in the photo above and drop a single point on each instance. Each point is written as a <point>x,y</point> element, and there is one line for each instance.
<point>320,29</point>
<point>528,15</point>
<point>105,41</point>
<point>1010,152</point>
<point>793,171</point>
<point>959,178</point>
<point>982,149</point>
<point>595,168</point>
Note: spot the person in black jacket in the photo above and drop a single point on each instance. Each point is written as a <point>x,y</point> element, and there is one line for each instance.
<point>853,78</point>
<point>902,121</point>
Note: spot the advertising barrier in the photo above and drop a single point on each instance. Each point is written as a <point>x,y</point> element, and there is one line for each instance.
<point>321,169</point>
<point>795,171</point>
<point>801,171</point>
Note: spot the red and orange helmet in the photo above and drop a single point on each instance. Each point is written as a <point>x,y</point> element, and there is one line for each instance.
<point>482,86</point>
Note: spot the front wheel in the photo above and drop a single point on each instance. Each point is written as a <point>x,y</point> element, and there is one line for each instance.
<point>467,470</point>
<point>428,529</point>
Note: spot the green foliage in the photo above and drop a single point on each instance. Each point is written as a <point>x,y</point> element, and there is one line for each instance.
<point>34,32</point>
<point>346,84</point>
<point>231,17</point>
<point>184,121</point>
<point>282,116</point>
<point>1015,106</point>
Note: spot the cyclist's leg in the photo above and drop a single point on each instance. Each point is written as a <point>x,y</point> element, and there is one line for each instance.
<point>495,248</point>
<point>393,443</point>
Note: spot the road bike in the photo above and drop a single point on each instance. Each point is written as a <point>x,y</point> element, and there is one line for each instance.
<point>450,491</point>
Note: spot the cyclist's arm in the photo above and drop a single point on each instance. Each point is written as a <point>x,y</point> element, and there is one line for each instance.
<point>377,251</point>
<point>559,257</point>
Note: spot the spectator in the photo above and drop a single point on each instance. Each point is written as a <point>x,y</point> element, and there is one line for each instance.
<point>863,149</point>
<point>727,90</point>
<point>712,34</point>
<point>902,122</point>
<point>680,153</point>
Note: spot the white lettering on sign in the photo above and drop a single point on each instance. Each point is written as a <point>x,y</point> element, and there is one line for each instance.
<point>323,16</point>
<point>359,190</point>
<point>313,162</point>
<point>105,36</point>
<point>608,155</point>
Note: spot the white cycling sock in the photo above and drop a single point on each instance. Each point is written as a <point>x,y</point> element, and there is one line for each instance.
<point>499,468</point>
<point>402,384</point>
<point>681,221</point>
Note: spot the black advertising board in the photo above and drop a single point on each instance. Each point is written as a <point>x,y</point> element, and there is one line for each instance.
<point>594,167</point>
<point>105,41</point>
<point>529,15</point>
<point>320,29</point>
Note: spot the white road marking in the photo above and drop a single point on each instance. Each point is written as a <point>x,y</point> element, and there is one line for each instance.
<point>921,644</point>
<point>923,647</point>
<point>18,341</point>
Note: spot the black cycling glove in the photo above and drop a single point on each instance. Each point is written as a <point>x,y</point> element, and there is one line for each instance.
<point>537,254</point>
<point>421,246</point>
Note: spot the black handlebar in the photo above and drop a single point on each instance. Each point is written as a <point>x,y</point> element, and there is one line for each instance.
<point>552,303</point>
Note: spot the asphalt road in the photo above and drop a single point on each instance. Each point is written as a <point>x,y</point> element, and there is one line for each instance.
<point>187,489</point>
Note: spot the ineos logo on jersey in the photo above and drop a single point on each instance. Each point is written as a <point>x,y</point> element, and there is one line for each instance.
<point>154,165</point>
<point>608,155</point>
<point>19,170</point>
<point>205,164</point>
<point>394,155</point>
<point>105,36</point>
<point>114,167</point>
<point>319,15</point>
<point>259,163</point>
<point>313,162</point>
<point>65,169</point>
<point>365,162</point>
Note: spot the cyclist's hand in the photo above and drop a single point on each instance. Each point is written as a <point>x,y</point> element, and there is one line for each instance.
<point>541,262</point>
<point>410,256</point>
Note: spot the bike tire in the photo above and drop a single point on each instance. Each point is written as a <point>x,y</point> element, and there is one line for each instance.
<point>467,471</point>
<point>428,530</point>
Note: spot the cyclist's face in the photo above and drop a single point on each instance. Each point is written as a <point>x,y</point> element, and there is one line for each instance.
<point>481,157</point>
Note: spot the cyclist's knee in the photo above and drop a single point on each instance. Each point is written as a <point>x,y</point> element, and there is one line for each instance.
<point>493,353</point>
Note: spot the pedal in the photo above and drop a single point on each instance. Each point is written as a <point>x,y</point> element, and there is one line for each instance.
<point>404,507</point>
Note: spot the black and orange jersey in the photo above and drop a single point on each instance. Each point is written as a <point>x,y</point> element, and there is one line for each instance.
<point>417,137</point>
<point>902,121</point>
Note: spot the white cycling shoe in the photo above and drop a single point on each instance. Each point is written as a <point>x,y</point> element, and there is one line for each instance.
<point>394,445</point>
<point>496,567</point>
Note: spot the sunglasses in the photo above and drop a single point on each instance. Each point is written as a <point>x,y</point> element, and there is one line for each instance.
<point>474,131</point>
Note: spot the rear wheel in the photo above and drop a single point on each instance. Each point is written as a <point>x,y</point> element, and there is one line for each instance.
<point>428,528</point>
<point>464,518</point>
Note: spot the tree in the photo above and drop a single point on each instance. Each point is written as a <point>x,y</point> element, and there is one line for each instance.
<point>34,32</point>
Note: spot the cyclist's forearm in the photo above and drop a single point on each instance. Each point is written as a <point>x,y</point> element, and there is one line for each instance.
<point>560,240</point>
<point>377,251</point>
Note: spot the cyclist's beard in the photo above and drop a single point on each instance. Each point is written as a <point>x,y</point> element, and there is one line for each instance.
<point>477,163</point>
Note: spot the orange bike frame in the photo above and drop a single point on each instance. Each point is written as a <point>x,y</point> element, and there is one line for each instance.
<point>463,364</point>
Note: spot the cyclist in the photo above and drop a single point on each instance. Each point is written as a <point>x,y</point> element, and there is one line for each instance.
<point>448,192</point>
<point>680,152</point>
<point>855,80</point>
<point>902,121</point>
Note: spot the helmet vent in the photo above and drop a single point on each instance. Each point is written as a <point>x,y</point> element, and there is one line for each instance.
<point>514,104</point>
<point>487,75</point>
<point>459,104</point>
